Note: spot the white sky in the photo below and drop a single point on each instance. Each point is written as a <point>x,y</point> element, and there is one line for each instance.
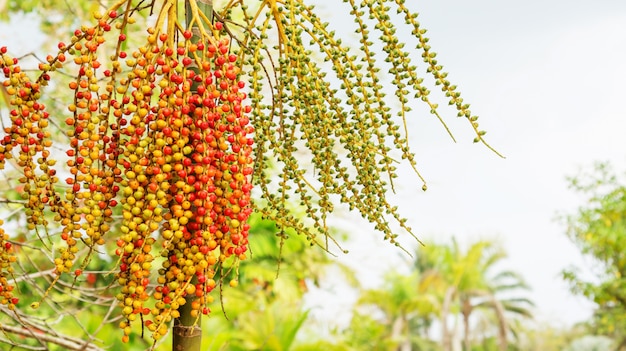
<point>547,79</point>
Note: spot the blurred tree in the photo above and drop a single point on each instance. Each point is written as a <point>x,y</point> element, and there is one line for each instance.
<point>591,343</point>
<point>446,282</point>
<point>471,283</point>
<point>406,306</point>
<point>546,337</point>
<point>598,228</point>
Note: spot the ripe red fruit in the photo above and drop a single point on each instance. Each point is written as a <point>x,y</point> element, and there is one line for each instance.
<point>179,198</point>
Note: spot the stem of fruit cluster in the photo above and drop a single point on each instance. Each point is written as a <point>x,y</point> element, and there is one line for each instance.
<point>187,328</point>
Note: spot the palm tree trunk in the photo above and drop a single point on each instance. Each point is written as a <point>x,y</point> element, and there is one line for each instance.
<point>466,310</point>
<point>187,329</point>
<point>445,310</point>
<point>397,333</point>
<point>502,324</point>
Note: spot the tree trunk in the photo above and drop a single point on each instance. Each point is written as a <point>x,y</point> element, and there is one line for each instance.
<point>445,310</point>
<point>466,310</point>
<point>502,325</point>
<point>398,333</point>
<point>187,329</point>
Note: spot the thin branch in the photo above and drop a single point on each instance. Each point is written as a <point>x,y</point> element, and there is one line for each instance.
<point>7,201</point>
<point>34,275</point>
<point>67,342</point>
<point>87,342</point>
<point>13,344</point>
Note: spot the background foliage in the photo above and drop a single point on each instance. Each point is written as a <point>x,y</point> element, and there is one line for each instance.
<point>599,229</point>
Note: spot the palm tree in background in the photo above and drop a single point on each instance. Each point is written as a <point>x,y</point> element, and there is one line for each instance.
<point>407,307</point>
<point>473,284</point>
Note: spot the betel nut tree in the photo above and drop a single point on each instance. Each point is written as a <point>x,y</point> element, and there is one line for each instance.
<point>163,145</point>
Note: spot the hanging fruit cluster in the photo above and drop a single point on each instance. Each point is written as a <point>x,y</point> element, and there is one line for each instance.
<point>7,257</point>
<point>161,134</point>
<point>160,152</point>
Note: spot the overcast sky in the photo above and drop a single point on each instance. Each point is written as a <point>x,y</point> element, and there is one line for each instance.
<point>547,79</point>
